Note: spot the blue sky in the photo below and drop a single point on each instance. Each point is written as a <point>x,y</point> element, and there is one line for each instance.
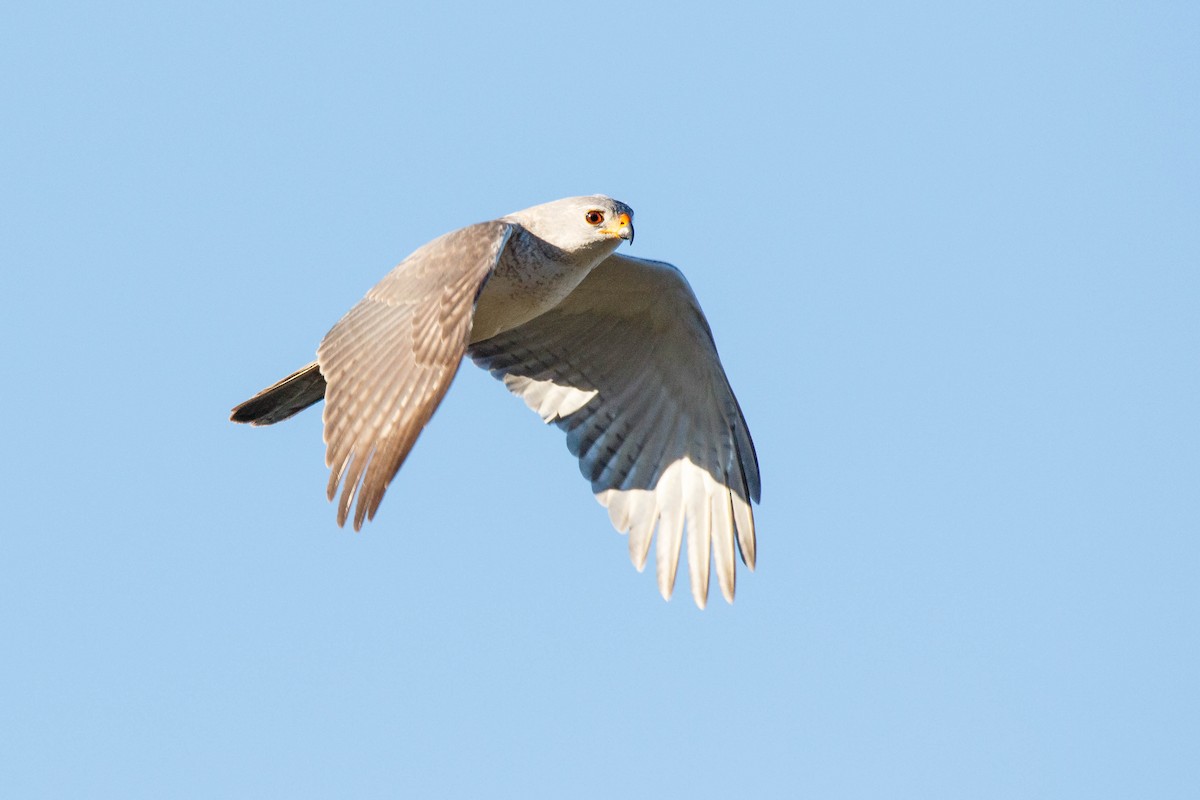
<point>950,256</point>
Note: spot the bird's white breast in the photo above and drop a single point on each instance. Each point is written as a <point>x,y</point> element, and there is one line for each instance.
<point>530,278</point>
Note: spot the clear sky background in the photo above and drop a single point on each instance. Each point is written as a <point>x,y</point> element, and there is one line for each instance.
<point>950,254</point>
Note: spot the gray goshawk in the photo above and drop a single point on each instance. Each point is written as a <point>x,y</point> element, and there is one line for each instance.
<point>614,350</point>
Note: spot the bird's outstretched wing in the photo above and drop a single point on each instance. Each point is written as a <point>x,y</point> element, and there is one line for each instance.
<point>390,360</point>
<point>626,365</point>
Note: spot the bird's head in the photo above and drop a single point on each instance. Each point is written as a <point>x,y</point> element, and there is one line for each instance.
<point>574,224</point>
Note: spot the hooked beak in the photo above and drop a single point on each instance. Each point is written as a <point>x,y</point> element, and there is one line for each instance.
<point>622,230</point>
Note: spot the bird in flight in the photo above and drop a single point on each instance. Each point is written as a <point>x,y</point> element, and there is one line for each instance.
<point>612,349</point>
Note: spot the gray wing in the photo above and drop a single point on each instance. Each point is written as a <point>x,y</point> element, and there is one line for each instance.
<point>626,365</point>
<point>389,362</point>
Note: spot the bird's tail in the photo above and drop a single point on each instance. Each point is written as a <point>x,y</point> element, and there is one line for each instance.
<point>290,396</point>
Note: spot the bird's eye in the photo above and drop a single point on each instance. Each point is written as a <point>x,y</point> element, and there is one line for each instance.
<point>594,217</point>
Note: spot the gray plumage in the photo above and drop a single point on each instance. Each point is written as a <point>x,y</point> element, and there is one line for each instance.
<point>614,350</point>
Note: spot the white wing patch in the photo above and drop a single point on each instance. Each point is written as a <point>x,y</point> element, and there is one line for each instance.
<point>550,400</point>
<point>686,498</point>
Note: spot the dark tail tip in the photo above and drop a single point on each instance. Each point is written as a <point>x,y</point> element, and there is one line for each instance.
<point>290,396</point>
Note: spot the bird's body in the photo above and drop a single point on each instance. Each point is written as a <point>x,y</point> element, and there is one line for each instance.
<point>614,350</point>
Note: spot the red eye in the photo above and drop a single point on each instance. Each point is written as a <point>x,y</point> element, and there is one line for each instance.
<point>594,217</point>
